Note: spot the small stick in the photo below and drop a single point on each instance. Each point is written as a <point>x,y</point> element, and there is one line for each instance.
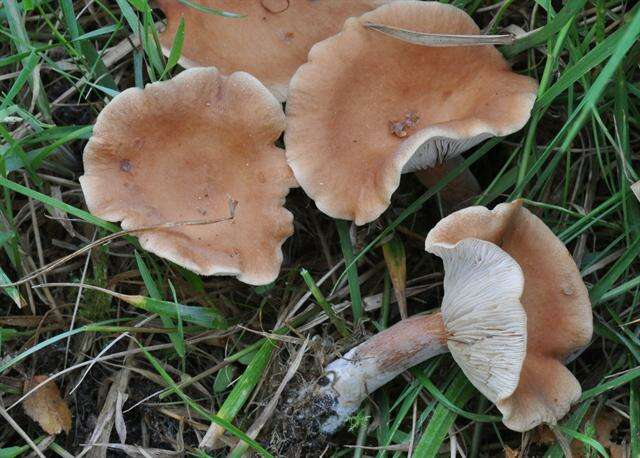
<point>108,238</point>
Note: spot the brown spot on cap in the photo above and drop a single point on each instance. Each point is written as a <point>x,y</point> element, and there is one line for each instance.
<point>125,165</point>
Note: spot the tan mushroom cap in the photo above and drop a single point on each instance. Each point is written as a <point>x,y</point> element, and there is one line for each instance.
<point>270,42</point>
<point>559,317</point>
<point>360,86</point>
<point>178,151</point>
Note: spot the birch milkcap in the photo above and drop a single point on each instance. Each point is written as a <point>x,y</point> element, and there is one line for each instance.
<point>270,41</point>
<point>178,151</point>
<point>481,322</point>
<point>481,310</point>
<point>367,107</point>
<point>559,316</point>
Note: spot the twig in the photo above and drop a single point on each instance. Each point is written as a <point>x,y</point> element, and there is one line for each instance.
<point>259,423</point>
<point>19,430</point>
<point>108,238</point>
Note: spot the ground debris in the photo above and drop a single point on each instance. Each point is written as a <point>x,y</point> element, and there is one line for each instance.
<point>400,128</point>
<point>46,406</point>
<point>602,428</point>
<point>511,453</point>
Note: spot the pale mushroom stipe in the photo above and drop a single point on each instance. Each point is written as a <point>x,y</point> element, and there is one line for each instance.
<point>270,41</point>
<point>178,151</point>
<point>514,309</point>
<point>367,107</point>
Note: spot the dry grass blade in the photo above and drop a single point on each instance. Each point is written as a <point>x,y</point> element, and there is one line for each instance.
<point>38,272</point>
<point>440,40</point>
<point>10,421</point>
<point>138,451</point>
<point>575,163</point>
<point>259,423</point>
<point>635,187</point>
<point>109,414</point>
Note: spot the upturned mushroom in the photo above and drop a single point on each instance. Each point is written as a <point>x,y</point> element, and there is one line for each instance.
<point>481,322</point>
<point>367,107</point>
<point>556,300</point>
<point>514,309</point>
<point>270,41</point>
<point>178,151</point>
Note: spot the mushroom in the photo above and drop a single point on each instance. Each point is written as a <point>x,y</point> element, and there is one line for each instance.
<point>555,298</point>
<point>367,107</point>
<point>270,41</point>
<point>177,152</point>
<point>514,309</point>
<point>481,322</point>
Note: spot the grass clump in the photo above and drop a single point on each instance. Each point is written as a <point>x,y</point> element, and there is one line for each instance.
<point>574,164</point>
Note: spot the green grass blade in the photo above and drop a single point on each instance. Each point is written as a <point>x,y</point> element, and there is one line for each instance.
<point>322,301</point>
<point>246,383</point>
<point>45,343</point>
<point>217,419</point>
<point>458,393</point>
<point>11,291</point>
<point>634,417</point>
<point>48,200</point>
<point>154,292</point>
<point>566,14</point>
<point>352,271</point>
<point>207,10</point>
<point>176,48</point>
<point>612,384</point>
<point>584,439</point>
<point>605,284</point>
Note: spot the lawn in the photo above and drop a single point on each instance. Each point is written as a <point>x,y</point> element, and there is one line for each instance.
<point>146,354</point>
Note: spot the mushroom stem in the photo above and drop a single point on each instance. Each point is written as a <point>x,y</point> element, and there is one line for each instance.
<point>349,380</point>
<point>458,191</point>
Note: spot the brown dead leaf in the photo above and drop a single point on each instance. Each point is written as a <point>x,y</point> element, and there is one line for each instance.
<point>543,435</point>
<point>46,406</point>
<point>605,423</point>
<point>511,453</point>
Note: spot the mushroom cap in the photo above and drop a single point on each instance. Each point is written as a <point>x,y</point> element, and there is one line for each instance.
<point>485,322</point>
<point>177,151</point>
<point>559,317</point>
<point>271,41</point>
<point>360,86</point>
